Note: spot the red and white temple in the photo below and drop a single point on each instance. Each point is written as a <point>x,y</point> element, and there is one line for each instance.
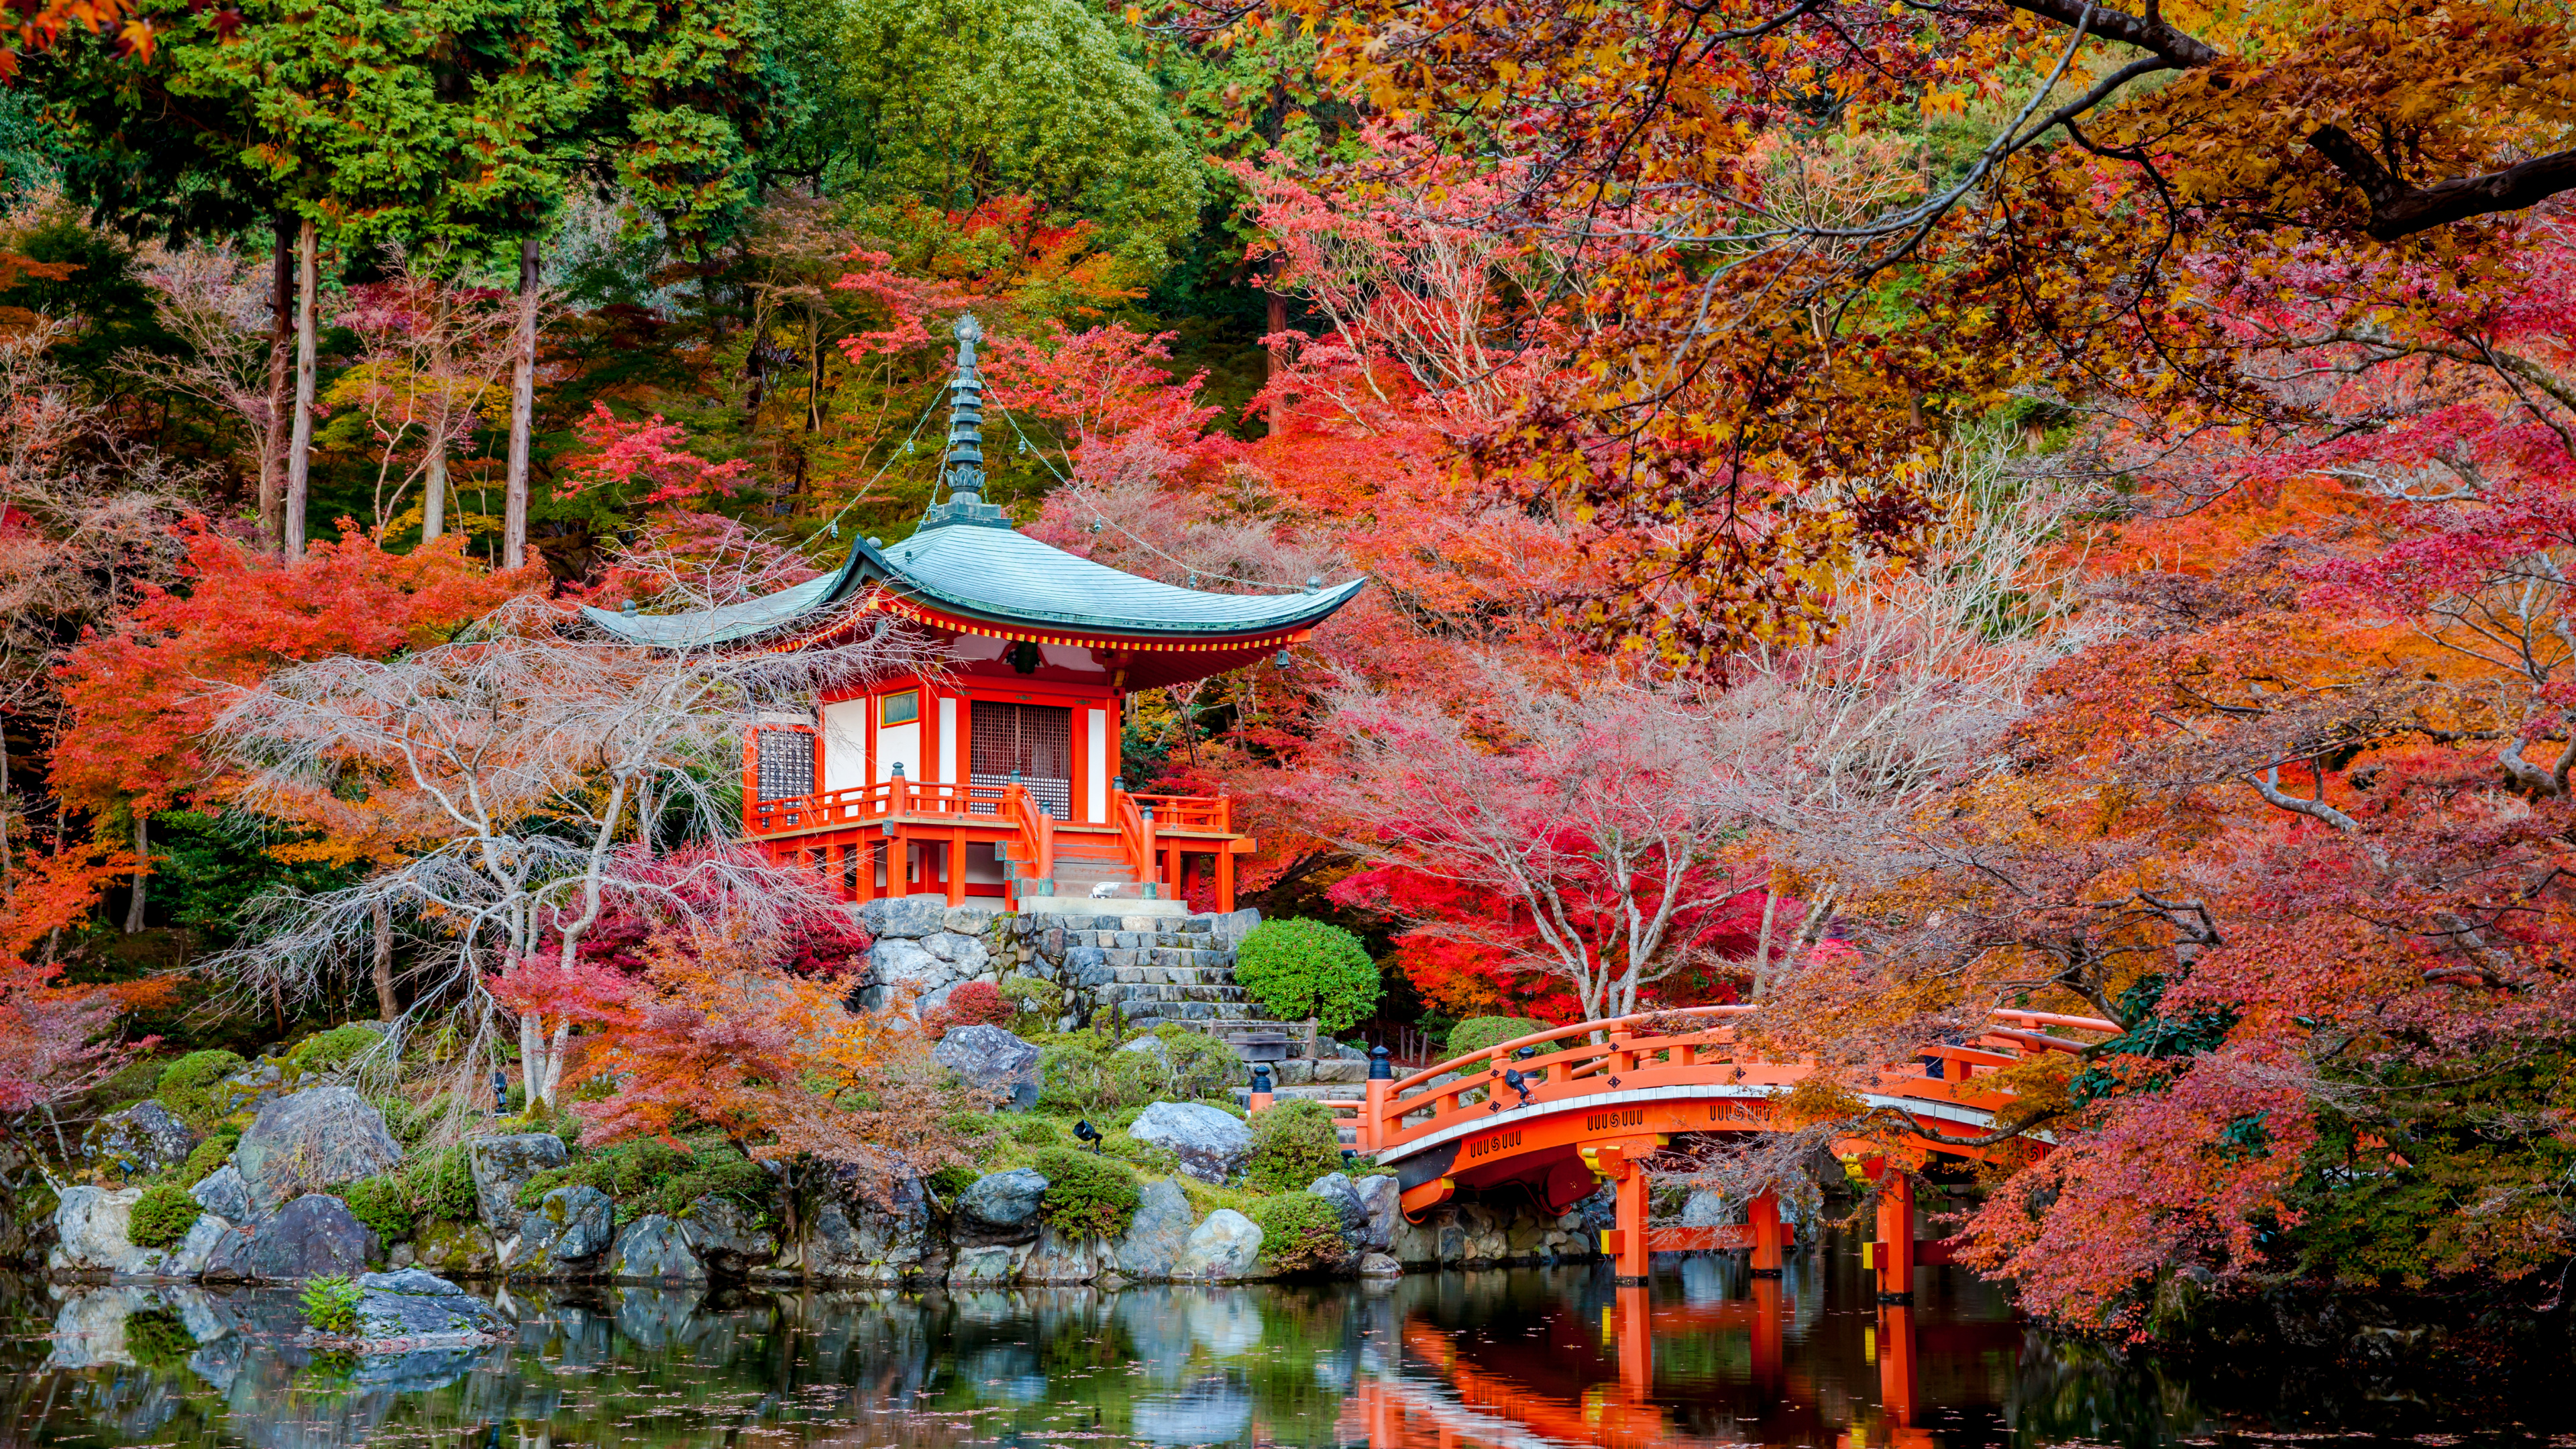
<point>996,773</point>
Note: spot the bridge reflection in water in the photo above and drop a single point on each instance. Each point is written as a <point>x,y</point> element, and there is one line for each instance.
<point>1704,1354</point>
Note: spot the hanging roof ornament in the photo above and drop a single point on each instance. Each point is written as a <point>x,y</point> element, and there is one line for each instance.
<point>961,471</point>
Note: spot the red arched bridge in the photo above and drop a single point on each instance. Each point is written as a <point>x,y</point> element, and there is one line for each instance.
<point>1560,1111</point>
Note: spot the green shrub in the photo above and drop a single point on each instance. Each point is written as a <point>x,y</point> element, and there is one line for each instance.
<point>1036,1132</point>
<point>1293,1143</point>
<point>1191,1064</point>
<point>1301,1233</point>
<point>1087,1196</point>
<point>1300,968</point>
<point>442,1185</point>
<point>208,1156</point>
<point>326,1050</point>
<point>1084,1073</point>
<point>331,1304</point>
<point>383,1203</point>
<point>162,1216</point>
<point>951,1180</point>
<point>1038,1005</point>
<point>158,1340</point>
<point>654,1177</point>
<point>185,1084</point>
<point>1477,1033</point>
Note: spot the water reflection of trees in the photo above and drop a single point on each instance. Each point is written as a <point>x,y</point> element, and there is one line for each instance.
<point>1506,1360</point>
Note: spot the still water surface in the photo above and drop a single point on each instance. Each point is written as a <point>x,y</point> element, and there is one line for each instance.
<point>1514,1359</point>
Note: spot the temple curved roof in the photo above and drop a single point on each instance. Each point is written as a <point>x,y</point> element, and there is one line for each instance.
<point>969,566</point>
<point>997,574</point>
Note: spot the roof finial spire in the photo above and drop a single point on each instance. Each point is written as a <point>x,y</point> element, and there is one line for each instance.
<point>961,470</point>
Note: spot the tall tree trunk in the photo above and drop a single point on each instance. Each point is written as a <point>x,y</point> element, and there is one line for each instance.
<point>442,407</point>
<point>7,862</point>
<point>299,452</point>
<point>281,351</point>
<point>387,1008</point>
<point>142,869</point>
<point>523,409</point>
<point>1273,362</point>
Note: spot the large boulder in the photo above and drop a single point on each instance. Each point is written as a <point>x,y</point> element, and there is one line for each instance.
<point>1383,1199</point>
<point>1061,1259</point>
<point>312,1140</point>
<point>858,1241</point>
<point>993,1060</point>
<point>1706,1208</point>
<point>1160,1232</point>
<point>1224,1247</point>
<point>989,1265</point>
<point>90,1225</point>
<point>502,1166</point>
<point>567,1228</point>
<point>1001,1207</point>
<point>1211,1145</point>
<point>144,1140</point>
<point>224,1194</point>
<point>655,1249</point>
<point>445,1247</point>
<point>729,1236</point>
<point>1338,1189</point>
<point>906,917</point>
<point>312,1237</point>
<point>422,1310</point>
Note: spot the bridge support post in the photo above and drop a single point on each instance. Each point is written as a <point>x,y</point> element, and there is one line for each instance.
<point>1895,1237</point>
<point>1763,1213</point>
<point>1631,1202</point>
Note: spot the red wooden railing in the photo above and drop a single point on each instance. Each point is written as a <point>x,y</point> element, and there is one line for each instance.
<point>1135,836</point>
<point>1150,827</point>
<point>1034,851</point>
<point>1575,1066</point>
<point>1199,814</point>
<point>898,797</point>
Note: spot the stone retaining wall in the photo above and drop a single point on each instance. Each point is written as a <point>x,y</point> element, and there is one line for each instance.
<point>1147,969</point>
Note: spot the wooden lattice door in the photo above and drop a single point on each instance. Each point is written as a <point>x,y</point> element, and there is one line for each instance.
<point>1035,741</point>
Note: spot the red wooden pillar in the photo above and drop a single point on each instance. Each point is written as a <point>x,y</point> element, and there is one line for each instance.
<point>956,865</point>
<point>1632,1223</point>
<point>1764,1215</point>
<point>1225,878</point>
<point>1896,1235</point>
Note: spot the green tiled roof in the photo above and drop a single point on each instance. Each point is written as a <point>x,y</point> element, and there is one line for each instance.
<point>967,559</point>
<point>997,574</point>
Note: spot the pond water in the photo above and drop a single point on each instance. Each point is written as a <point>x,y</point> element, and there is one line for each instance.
<point>1510,1359</point>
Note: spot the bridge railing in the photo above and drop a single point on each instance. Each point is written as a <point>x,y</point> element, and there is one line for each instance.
<point>1645,1050</point>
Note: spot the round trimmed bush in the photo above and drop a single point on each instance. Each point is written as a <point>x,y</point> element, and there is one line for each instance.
<point>1087,1195</point>
<point>325,1050</point>
<point>161,1217</point>
<point>207,1157</point>
<point>1298,968</point>
<point>185,1083</point>
<point>383,1204</point>
<point>1301,1233</point>
<point>1293,1143</point>
<point>1477,1033</point>
<point>1036,1132</point>
<point>975,1003</point>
